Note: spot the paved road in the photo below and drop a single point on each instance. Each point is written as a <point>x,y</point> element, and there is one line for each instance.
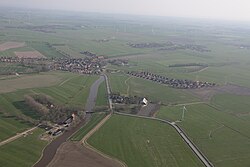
<point>17,136</point>
<point>194,148</point>
<point>50,151</point>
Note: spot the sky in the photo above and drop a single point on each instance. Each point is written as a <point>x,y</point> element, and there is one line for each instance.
<point>212,9</point>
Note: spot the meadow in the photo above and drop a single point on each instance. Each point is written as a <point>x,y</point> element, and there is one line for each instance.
<point>102,96</point>
<point>10,126</point>
<point>219,129</point>
<point>222,137</point>
<point>144,88</point>
<point>70,89</point>
<point>94,120</point>
<point>22,152</point>
<point>140,142</point>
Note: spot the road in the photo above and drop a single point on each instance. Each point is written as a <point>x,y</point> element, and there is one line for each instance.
<point>17,136</point>
<point>193,147</point>
<point>50,151</point>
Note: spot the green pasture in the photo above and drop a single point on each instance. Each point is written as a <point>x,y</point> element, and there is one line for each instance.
<point>145,88</point>
<point>72,90</point>
<point>102,96</point>
<point>95,119</point>
<point>222,137</point>
<point>22,152</point>
<point>141,142</point>
<point>10,125</point>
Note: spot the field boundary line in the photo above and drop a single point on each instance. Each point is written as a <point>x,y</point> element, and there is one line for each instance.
<point>187,104</point>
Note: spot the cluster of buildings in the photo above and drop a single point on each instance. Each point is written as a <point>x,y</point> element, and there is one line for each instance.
<point>59,128</point>
<point>119,62</point>
<point>117,98</point>
<point>87,65</point>
<point>146,45</point>
<point>175,83</point>
<point>170,46</point>
<point>198,48</point>
<point>80,65</point>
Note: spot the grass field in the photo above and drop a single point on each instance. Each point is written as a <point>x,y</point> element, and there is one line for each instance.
<point>222,137</point>
<point>10,126</point>
<point>70,89</point>
<point>102,96</point>
<point>29,81</point>
<point>144,88</point>
<point>140,142</point>
<point>45,49</point>
<point>228,62</point>
<point>233,104</point>
<point>95,119</point>
<point>23,152</point>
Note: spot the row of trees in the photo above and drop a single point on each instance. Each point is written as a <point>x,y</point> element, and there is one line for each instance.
<point>32,103</point>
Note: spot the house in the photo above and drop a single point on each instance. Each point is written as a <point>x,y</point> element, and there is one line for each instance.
<point>144,101</point>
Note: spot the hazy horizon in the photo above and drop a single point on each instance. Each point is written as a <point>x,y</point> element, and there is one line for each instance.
<point>212,9</point>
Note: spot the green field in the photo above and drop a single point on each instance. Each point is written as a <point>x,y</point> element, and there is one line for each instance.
<point>22,152</point>
<point>102,96</point>
<point>151,90</point>
<point>233,104</point>
<point>10,126</point>
<point>95,119</point>
<point>222,137</point>
<point>140,142</point>
<point>221,131</point>
<point>70,89</point>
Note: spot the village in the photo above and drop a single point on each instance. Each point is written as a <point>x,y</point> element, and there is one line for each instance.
<point>170,46</point>
<point>91,64</point>
<point>172,82</point>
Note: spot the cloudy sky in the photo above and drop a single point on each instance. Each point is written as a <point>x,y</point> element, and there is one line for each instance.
<point>218,9</point>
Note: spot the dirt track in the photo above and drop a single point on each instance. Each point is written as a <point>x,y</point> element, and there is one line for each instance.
<point>207,93</point>
<point>75,155</point>
<point>17,136</point>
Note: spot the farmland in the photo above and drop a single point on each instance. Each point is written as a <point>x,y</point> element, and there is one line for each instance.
<point>10,45</point>
<point>147,146</point>
<point>69,89</point>
<point>154,91</point>
<point>223,137</point>
<point>95,119</point>
<point>10,126</point>
<point>217,119</point>
<point>29,81</point>
<point>102,96</point>
<point>22,152</point>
